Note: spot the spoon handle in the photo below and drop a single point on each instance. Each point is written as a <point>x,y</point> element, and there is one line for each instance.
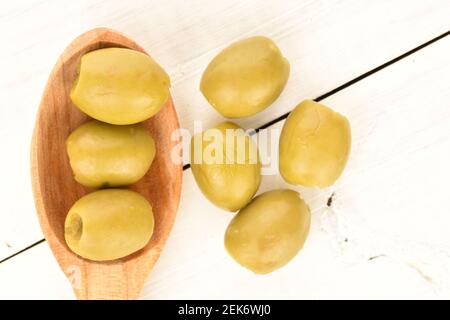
<point>95,281</point>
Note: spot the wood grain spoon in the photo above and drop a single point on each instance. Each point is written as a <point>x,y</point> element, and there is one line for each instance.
<point>55,189</point>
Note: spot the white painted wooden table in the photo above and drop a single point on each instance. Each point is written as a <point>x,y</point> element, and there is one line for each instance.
<point>387,232</point>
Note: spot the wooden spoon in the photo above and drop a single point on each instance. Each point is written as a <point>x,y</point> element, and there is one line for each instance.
<point>55,189</point>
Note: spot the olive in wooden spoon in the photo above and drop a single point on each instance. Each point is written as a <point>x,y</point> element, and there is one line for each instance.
<point>55,190</point>
<point>120,86</point>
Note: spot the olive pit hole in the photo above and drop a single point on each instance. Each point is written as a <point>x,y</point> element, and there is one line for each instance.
<point>74,228</point>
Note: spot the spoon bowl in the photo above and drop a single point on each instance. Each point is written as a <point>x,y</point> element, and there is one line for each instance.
<point>55,189</point>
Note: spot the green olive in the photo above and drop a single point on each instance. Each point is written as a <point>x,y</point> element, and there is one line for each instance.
<point>120,86</point>
<point>105,155</point>
<point>314,145</point>
<point>268,232</point>
<point>245,77</point>
<point>109,224</point>
<point>226,166</point>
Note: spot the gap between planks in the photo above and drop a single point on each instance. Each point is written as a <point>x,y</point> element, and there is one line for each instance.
<point>284,116</point>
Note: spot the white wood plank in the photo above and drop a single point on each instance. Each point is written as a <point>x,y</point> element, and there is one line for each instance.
<point>327,43</point>
<point>384,236</point>
<point>40,281</point>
